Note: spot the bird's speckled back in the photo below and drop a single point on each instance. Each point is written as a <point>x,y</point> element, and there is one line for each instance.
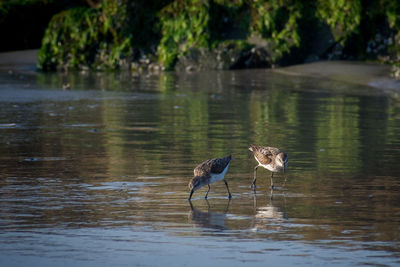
<point>212,166</point>
<point>264,154</point>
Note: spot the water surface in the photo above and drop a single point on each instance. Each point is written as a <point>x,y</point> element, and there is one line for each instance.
<point>97,173</point>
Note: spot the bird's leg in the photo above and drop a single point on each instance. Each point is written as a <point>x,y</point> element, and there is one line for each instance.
<point>254,201</point>
<point>191,205</point>
<point>284,183</point>
<point>227,206</point>
<point>253,184</point>
<point>208,205</point>
<point>207,191</point>
<point>227,187</point>
<point>272,181</point>
<point>191,193</point>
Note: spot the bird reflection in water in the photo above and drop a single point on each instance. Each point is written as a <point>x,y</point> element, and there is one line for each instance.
<point>208,219</point>
<point>268,217</point>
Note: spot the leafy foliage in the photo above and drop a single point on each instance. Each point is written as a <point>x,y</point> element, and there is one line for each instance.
<point>277,22</point>
<point>82,37</point>
<point>184,24</point>
<point>122,31</point>
<point>393,15</point>
<point>343,16</point>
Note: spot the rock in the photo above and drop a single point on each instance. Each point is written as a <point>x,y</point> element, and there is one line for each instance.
<point>195,59</point>
<point>228,55</point>
<point>190,68</point>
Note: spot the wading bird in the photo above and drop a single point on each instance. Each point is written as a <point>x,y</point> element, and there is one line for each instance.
<point>208,172</point>
<point>270,158</point>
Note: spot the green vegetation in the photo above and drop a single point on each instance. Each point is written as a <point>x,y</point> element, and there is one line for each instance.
<point>112,35</point>
<point>108,34</point>
<point>84,36</point>
<point>183,24</point>
<point>277,22</point>
<point>393,16</point>
<point>343,17</point>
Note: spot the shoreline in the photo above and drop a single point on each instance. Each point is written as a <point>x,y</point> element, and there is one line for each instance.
<point>363,73</point>
<point>357,72</point>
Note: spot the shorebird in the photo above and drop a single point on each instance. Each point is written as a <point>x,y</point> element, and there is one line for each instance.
<point>208,172</point>
<point>270,158</point>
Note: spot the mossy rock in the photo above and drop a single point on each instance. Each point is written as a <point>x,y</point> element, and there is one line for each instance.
<point>231,54</point>
<point>277,22</point>
<point>100,38</point>
<point>70,40</point>
<point>193,29</point>
<point>218,34</point>
<point>184,24</point>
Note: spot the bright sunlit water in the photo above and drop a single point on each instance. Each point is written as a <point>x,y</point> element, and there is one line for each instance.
<point>97,175</point>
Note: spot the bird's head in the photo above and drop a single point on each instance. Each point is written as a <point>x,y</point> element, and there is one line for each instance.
<point>195,183</point>
<point>282,160</point>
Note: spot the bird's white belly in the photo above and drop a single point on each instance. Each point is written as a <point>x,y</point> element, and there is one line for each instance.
<point>218,176</point>
<point>269,167</point>
<point>266,166</point>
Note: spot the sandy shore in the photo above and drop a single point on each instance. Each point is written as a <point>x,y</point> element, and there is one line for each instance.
<point>363,73</point>
<point>23,57</point>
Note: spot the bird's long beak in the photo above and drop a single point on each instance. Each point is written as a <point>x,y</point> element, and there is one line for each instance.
<point>191,193</point>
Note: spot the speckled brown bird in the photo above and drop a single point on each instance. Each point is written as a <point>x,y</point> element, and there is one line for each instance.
<point>208,172</point>
<point>270,158</point>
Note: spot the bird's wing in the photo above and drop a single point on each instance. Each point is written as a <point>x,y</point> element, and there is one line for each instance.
<point>219,165</point>
<point>212,166</point>
<point>265,154</point>
<point>202,169</point>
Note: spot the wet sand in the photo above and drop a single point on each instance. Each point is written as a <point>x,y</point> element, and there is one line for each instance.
<point>356,72</point>
<point>24,57</point>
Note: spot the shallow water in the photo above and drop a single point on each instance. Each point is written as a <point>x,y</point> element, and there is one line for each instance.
<point>97,174</point>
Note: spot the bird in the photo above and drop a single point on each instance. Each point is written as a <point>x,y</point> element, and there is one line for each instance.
<point>208,172</point>
<point>270,158</point>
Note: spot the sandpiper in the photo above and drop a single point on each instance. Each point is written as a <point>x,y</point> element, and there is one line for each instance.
<point>270,158</point>
<point>208,172</point>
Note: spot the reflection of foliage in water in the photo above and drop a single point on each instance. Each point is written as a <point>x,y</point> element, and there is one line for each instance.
<point>201,116</point>
<point>151,131</point>
<point>338,134</point>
